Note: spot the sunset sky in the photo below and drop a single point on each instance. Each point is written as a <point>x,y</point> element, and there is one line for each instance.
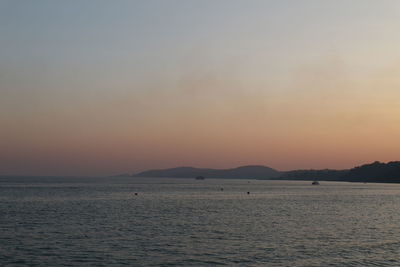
<point>106,87</point>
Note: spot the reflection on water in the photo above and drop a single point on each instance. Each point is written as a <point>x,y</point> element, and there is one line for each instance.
<point>100,221</point>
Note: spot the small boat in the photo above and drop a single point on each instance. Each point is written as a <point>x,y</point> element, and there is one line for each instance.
<point>315,183</point>
<point>200,178</point>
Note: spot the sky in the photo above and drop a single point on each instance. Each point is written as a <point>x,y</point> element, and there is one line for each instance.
<point>105,87</point>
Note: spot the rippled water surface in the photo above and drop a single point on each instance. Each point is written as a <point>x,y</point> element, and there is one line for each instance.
<point>184,222</point>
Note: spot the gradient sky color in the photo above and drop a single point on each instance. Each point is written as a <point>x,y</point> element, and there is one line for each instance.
<point>104,87</point>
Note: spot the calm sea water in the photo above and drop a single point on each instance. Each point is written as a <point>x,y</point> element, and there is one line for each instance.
<point>186,222</point>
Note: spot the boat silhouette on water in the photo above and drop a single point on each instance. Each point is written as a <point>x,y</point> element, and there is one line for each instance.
<point>315,183</point>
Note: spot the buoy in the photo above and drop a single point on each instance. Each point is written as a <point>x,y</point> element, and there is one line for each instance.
<point>248,192</point>
<point>135,194</point>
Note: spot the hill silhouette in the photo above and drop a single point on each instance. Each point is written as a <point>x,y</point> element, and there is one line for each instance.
<point>372,172</point>
<point>375,172</point>
<point>243,172</point>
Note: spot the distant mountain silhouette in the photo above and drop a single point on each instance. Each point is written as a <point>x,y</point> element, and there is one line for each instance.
<point>373,172</point>
<point>244,172</point>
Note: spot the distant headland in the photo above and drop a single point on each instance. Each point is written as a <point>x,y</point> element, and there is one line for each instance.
<point>254,172</point>
<point>373,172</point>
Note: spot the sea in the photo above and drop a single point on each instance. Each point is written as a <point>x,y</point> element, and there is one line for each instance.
<point>125,221</point>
